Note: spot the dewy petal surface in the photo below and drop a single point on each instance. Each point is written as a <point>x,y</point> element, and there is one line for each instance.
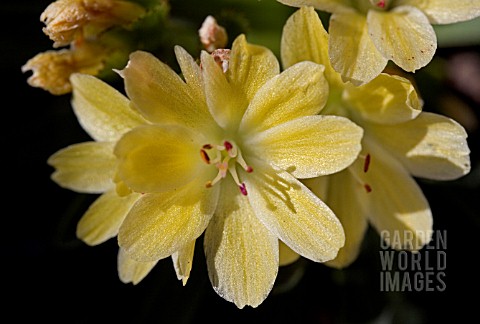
<point>431,146</point>
<point>301,90</point>
<point>342,196</point>
<point>102,111</point>
<point>310,146</point>
<point>225,102</point>
<point>294,214</point>
<point>161,224</point>
<point>305,39</point>
<point>130,270</point>
<point>183,261</point>
<point>403,35</point>
<point>85,167</point>
<point>160,94</point>
<point>242,255</point>
<point>250,66</point>
<point>103,218</point>
<point>387,99</point>
<point>395,203</point>
<point>445,11</point>
<point>156,158</point>
<point>351,49</point>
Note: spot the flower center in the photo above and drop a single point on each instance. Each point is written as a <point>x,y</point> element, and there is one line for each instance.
<point>225,158</point>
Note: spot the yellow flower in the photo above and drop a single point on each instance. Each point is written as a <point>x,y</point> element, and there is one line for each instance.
<point>222,155</point>
<point>400,142</point>
<point>68,20</point>
<point>365,34</point>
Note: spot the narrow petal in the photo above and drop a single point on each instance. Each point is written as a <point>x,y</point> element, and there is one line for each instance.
<point>160,94</point>
<point>286,255</point>
<point>86,167</point>
<point>431,146</point>
<point>351,50</point>
<point>387,99</point>
<point>242,255</point>
<point>324,5</point>
<point>305,39</point>
<point>191,72</point>
<point>299,91</point>
<point>310,146</point>
<point>294,214</point>
<point>103,112</point>
<point>103,218</point>
<point>343,194</point>
<point>157,158</point>
<point>393,201</point>
<point>130,270</point>
<point>163,223</point>
<point>183,261</point>
<point>442,11</point>
<point>250,66</point>
<point>226,103</point>
<point>403,35</point>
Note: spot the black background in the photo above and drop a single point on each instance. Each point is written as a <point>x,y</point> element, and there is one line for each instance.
<point>49,275</point>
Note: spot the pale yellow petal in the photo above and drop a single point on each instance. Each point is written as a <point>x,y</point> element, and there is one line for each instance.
<point>299,91</point>
<point>309,146</point>
<point>226,102</point>
<point>160,94</point>
<point>305,39</point>
<point>351,50</point>
<point>387,99</point>
<point>191,73</point>
<point>431,146</point>
<point>343,194</point>
<point>242,255</point>
<point>294,214</point>
<point>394,203</point>
<point>163,223</point>
<point>286,255</point>
<point>86,167</point>
<point>250,66</point>
<point>130,270</point>
<point>183,262</point>
<point>102,111</point>
<point>324,5</point>
<point>446,11</point>
<point>157,158</point>
<point>403,35</point>
<point>103,218</point>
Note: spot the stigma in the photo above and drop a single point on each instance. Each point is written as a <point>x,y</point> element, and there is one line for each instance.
<point>225,158</point>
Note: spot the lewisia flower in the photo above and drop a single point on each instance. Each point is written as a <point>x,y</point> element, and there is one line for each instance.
<point>366,34</point>
<point>221,154</point>
<point>400,142</point>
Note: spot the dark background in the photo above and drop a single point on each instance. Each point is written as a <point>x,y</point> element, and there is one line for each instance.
<point>49,275</point>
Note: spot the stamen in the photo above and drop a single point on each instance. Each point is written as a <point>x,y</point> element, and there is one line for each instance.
<point>224,153</point>
<point>365,185</point>
<point>367,163</point>
<point>379,3</point>
<point>205,156</point>
<point>243,189</point>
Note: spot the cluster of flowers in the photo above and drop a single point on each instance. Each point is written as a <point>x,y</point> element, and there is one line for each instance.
<point>267,161</point>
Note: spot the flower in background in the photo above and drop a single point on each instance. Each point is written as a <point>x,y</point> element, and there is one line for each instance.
<point>365,35</point>
<point>221,155</point>
<point>400,142</point>
<point>99,34</point>
<point>69,20</point>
